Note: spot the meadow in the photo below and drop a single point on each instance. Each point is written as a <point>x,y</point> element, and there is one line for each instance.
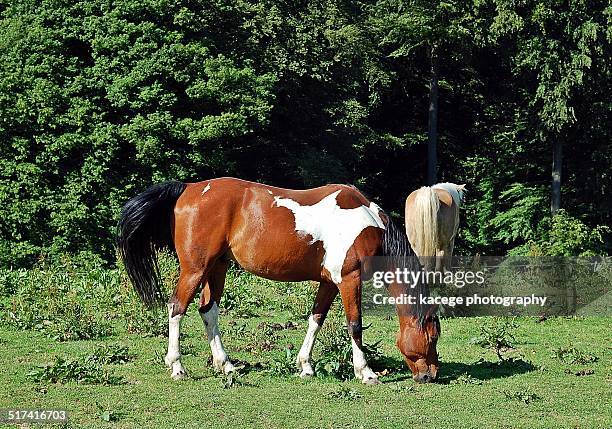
<point>101,99</point>
<point>74,336</point>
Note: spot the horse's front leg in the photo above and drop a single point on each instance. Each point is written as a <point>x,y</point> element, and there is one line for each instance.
<point>323,301</point>
<point>209,311</point>
<point>350,291</point>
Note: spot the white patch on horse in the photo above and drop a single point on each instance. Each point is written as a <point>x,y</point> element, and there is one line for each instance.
<point>211,323</point>
<point>269,192</point>
<point>455,191</point>
<point>335,227</point>
<point>206,189</point>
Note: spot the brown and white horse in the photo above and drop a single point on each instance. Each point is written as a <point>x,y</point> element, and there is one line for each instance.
<point>320,234</point>
<point>432,220</point>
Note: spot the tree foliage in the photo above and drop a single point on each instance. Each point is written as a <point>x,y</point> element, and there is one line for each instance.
<point>99,99</point>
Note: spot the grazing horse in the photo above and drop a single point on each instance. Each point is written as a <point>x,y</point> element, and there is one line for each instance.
<point>320,234</point>
<point>432,220</point>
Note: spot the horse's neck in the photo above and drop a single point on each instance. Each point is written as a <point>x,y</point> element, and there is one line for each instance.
<point>405,310</point>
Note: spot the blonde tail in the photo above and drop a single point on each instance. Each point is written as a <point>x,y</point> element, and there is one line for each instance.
<point>425,222</point>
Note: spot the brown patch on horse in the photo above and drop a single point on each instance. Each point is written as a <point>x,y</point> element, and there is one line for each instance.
<point>349,199</point>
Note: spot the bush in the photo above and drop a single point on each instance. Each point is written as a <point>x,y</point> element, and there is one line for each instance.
<point>64,301</point>
<point>138,319</point>
<point>573,356</point>
<point>238,295</point>
<point>283,363</point>
<point>110,354</point>
<point>564,235</point>
<point>345,393</point>
<point>64,371</point>
<point>466,378</point>
<point>298,298</point>
<point>497,335</point>
<point>569,236</point>
<point>77,299</point>
<point>526,396</point>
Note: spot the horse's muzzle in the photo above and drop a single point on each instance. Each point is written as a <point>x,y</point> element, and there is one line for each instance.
<point>427,377</point>
<point>424,378</point>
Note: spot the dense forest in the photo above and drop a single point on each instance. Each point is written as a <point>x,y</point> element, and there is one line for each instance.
<point>101,98</point>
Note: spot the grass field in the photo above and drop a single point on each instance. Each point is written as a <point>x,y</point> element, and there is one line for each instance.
<point>151,399</point>
<point>536,387</point>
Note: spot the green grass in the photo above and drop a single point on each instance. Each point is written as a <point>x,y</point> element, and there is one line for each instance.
<point>121,380</point>
<point>261,399</point>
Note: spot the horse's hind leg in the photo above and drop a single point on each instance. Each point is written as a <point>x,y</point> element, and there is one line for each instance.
<point>209,311</point>
<point>323,301</point>
<point>177,306</point>
<point>350,291</point>
<point>449,254</point>
<point>445,256</point>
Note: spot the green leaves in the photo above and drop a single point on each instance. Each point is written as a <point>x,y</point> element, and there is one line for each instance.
<point>527,208</point>
<point>82,371</point>
<point>94,99</point>
<point>556,46</point>
<point>99,100</point>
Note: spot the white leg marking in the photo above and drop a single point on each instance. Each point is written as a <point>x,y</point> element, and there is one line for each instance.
<point>174,347</point>
<point>303,357</point>
<point>360,365</point>
<point>211,323</point>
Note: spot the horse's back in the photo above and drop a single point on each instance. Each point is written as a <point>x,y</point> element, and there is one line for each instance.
<point>236,189</point>
<point>277,233</point>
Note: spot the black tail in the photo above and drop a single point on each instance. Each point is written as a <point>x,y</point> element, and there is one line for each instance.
<point>144,226</point>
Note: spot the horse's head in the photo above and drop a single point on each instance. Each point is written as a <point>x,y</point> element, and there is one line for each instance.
<point>417,341</point>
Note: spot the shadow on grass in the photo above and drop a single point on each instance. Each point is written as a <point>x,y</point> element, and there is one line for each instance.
<point>449,371</point>
<point>392,369</point>
<point>483,370</point>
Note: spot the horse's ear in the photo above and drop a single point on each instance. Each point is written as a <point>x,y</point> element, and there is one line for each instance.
<point>461,187</point>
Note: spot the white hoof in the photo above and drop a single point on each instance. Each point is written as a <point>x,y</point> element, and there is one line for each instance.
<point>366,375</point>
<point>305,368</point>
<point>307,373</point>
<point>228,368</point>
<point>371,381</point>
<point>179,376</point>
<point>178,371</point>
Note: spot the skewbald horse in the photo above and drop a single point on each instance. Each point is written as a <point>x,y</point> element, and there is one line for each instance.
<point>432,220</point>
<point>320,234</point>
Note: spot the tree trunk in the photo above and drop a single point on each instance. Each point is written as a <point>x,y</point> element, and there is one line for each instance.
<point>432,156</point>
<point>555,202</point>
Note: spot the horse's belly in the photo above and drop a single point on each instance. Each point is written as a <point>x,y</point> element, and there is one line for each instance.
<point>280,260</point>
